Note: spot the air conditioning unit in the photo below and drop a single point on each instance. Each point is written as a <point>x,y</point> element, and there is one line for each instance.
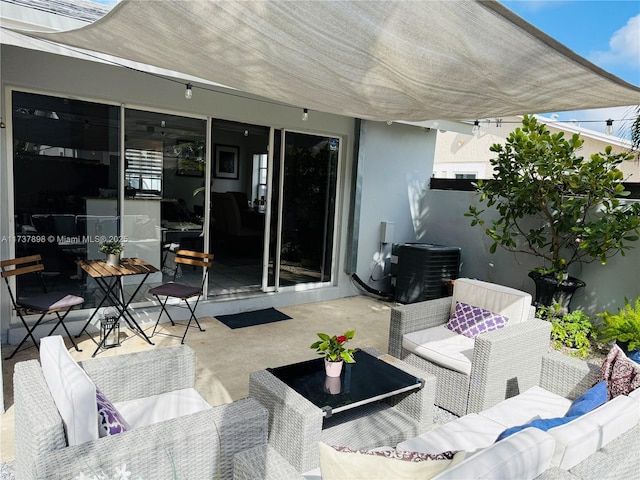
<point>422,271</point>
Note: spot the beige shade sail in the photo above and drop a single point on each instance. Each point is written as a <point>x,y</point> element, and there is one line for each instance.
<point>376,60</point>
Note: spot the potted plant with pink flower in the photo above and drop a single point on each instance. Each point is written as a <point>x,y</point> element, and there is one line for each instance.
<point>334,351</point>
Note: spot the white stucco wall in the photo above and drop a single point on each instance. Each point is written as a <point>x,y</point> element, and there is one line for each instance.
<point>396,162</point>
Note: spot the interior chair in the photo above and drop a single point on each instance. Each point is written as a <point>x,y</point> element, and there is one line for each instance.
<point>241,200</point>
<point>473,372</point>
<point>235,226</point>
<point>218,210</point>
<point>250,219</point>
<point>46,303</point>
<point>182,291</point>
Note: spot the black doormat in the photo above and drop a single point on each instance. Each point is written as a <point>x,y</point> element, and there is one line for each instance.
<point>257,317</point>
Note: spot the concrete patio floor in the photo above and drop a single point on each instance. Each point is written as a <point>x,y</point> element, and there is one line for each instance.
<point>225,357</point>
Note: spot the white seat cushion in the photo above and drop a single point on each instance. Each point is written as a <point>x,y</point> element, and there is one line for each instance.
<point>442,346</point>
<point>509,302</point>
<point>635,394</point>
<point>522,456</point>
<point>312,474</point>
<point>159,408</point>
<point>469,433</point>
<point>73,392</point>
<point>588,433</point>
<point>518,410</point>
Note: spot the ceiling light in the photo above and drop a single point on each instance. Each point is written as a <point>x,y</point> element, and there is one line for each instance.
<point>188,93</point>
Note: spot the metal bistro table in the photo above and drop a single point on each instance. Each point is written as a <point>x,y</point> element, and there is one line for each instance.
<point>109,279</point>
<point>379,400</point>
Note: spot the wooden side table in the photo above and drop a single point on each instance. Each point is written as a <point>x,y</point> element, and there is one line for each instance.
<point>109,279</point>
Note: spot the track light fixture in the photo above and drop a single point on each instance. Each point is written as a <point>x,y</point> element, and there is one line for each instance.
<point>188,93</point>
<point>305,114</point>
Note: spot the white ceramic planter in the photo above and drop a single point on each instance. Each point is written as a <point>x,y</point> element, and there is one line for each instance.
<point>333,369</point>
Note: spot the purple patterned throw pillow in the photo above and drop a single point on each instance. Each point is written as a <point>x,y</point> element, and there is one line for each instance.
<point>110,422</point>
<point>470,321</point>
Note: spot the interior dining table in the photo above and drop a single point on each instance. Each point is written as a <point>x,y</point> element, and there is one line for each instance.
<point>110,280</point>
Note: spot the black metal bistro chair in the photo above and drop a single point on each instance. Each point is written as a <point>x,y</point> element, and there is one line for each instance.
<point>182,291</point>
<point>47,303</point>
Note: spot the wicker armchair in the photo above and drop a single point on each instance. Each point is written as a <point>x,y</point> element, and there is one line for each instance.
<point>504,362</point>
<point>200,445</point>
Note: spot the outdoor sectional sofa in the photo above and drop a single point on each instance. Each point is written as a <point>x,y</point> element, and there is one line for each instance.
<point>170,428</point>
<point>601,444</point>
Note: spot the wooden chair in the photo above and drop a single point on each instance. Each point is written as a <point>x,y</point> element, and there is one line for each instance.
<point>47,303</point>
<point>182,291</point>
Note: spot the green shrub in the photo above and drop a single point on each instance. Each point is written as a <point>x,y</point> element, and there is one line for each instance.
<point>572,330</point>
<point>623,326</point>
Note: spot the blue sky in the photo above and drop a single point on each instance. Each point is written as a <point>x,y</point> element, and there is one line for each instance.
<point>605,32</point>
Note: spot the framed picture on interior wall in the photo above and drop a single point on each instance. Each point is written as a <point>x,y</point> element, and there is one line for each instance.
<point>190,156</point>
<point>226,162</point>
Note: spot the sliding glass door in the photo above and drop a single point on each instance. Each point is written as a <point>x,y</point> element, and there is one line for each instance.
<point>165,160</point>
<point>304,208</point>
<point>66,158</point>
<point>262,200</point>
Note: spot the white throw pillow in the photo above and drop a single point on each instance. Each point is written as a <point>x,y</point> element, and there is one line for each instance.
<point>73,392</point>
<point>382,465</point>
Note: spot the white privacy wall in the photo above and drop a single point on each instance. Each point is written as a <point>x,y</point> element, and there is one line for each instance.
<point>607,285</point>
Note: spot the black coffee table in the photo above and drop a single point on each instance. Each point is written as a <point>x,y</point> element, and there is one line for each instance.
<point>382,401</point>
<point>368,380</point>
